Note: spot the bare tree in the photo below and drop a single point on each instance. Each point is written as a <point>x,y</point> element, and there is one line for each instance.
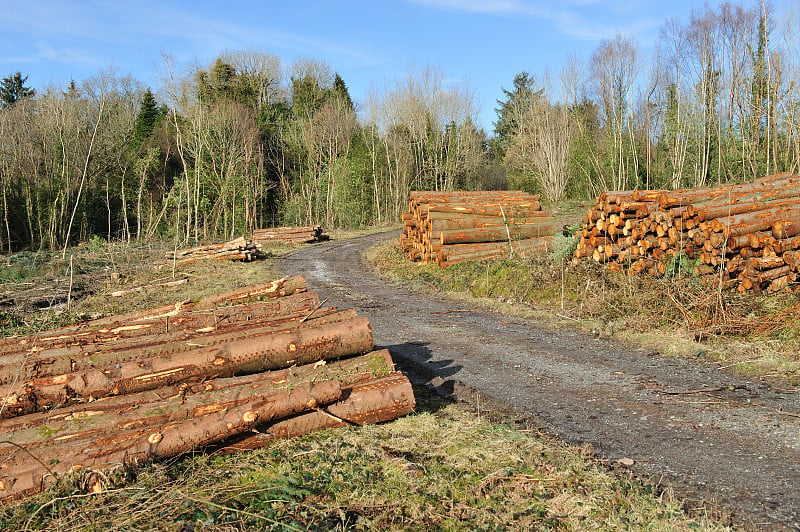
<point>540,146</point>
<point>614,68</point>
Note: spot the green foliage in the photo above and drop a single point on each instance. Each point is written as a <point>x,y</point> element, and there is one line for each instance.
<point>13,89</point>
<point>149,114</point>
<point>681,265</point>
<point>340,91</point>
<point>510,110</point>
<point>564,247</point>
<point>353,194</point>
<point>20,266</point>
<point>308,96</point>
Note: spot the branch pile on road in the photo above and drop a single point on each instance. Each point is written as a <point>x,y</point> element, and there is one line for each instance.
<point>450,227</point>
<point>237,249</point>
<point>744,236</point>
<point>307,234</point>
<point>230,371</point>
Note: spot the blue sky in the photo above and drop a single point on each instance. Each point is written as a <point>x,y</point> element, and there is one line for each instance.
<point>480,43</point>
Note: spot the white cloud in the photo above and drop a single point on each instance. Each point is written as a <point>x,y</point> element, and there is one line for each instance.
<point>493,7</point>
<point>577,19</point>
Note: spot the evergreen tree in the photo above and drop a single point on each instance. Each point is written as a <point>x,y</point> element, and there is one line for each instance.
<point>307,96</point>
<point>517,101</point>
<point>13,89</point>
<point>145,123</point>
<point>340,91</point>
<point>72,91</point>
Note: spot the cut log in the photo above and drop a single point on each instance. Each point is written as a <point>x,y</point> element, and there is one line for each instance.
<point>273,351</point>
<point>498,234</point>
<point>19,475</point>
<point>51,362</point>
<point>368,402</point>
<point>167,405</point>
<point>141,331</point>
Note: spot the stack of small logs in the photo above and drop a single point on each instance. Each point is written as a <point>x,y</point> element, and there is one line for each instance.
<point>226,372</point>
<point>237,249</point>
<point>450,227</point>
<point>291,235</point>
<point>744,236</point>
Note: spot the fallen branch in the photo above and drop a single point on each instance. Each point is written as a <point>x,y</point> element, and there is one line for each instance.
<point>177,282</point>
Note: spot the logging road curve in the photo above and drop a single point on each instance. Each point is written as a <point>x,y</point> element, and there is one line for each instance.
<point>738,447</point>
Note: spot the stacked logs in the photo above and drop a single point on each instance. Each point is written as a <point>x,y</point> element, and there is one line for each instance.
<point>232,371</point>
<point>237,249</point>
<point>290,235</point>
<point>744,236</point>
<point>450,227</point>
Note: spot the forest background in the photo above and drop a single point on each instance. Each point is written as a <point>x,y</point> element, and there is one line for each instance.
<point>247,142</point>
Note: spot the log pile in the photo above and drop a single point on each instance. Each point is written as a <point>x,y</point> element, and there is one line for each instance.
<point>450,227</point>
<point>230,371</point>
<point>290,235</point>
<point>237,249</point>
<point>744,236</point>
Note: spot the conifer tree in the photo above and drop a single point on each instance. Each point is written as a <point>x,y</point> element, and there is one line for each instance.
<point>13,89</point>
<point>149,113</point>
<point>340,91</point>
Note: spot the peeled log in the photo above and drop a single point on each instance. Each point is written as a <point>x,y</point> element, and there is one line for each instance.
<point>250,355</point>
<point>367,402</point>
<point>20,475</point>
<point>498,234</point>
<point>176,402</point>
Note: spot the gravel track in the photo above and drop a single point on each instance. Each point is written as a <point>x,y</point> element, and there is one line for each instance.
<point>708,434</point>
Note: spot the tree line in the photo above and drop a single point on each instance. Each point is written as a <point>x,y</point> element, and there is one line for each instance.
<point>716,102</point>
<point>247,142</point>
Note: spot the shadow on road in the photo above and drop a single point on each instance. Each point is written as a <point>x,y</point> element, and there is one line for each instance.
<point>414,359</point>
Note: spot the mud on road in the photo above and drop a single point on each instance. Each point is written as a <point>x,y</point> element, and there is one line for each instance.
<point>708,434</point>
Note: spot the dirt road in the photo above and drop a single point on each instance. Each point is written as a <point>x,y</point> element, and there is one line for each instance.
<point>708,434</point>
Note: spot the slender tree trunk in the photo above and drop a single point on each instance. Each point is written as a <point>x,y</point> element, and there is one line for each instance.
<point>83,180</point>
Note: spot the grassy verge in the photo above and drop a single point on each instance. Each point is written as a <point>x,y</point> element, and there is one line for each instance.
<point>445,467</point>
<point>755,335</point>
